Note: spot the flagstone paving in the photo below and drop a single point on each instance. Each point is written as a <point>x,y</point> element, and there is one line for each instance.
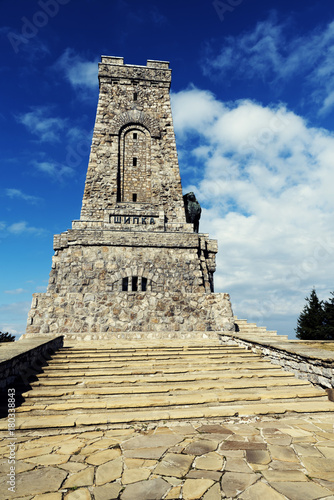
<point>78,439</point>
<point>207,460</point>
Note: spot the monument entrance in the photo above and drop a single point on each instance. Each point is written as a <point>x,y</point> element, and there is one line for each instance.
<point>132,263</point>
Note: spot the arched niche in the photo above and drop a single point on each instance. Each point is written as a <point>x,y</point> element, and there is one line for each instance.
<point>134,169</point>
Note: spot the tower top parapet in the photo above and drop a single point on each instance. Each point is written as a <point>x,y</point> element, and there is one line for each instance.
<point>112,68</point>
<point>119,61</point>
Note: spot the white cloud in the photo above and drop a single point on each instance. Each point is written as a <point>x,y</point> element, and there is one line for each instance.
<point>17,193</point>
<point>194,109</point>
<point>40,123</point>
<point>17,291</point>
<point>14,317</point>
<point>265,181</point>
<point>22,227</point>
<point>81,73</point>
<point>273,52</point>
<point>54,170</point>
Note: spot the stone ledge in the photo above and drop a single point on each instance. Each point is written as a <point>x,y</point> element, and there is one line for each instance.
<point>20,360</point>
<point>315,365</point>
<point>135,336</point>
<point>125,238</point>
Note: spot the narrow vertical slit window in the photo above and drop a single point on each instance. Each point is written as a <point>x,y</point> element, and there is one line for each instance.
<point>134,161</point>
<point>143,284</point>
<point>134,283</point>
<point>135,136</point>
<point>135,96</point>
<point>134,197</point>
<point>125,284</point>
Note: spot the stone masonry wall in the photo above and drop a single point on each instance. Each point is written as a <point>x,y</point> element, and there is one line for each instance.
<point>98,269</point>
<point>21,360</point>
<point>316,367</point>
<point>166,261</point>
<point>136,98</point>
<point>102,314</point>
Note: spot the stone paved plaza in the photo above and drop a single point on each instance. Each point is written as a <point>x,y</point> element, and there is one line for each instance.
<point>259,458</point>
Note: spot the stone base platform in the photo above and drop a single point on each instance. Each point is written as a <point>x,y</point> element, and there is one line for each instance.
<point>101,314</point>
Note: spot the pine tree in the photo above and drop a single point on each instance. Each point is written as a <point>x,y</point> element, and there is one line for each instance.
<point>328,330</point>
<point>6,337</point>
<point>310,324</point>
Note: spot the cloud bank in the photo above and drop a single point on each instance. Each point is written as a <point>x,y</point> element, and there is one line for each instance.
<point>273,53</point>
<point>264,178</point>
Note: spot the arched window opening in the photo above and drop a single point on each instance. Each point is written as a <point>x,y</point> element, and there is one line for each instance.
<point>125,284</point>
<point>134,283</point>
<point>134,165</point>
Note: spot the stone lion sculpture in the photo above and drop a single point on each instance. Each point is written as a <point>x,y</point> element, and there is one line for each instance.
<point>193,210</point>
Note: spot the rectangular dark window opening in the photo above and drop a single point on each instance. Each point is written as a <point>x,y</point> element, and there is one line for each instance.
<point>134,162</point>
<point>134,197</point>
<point>134,283</point>
<point>135,135</point>
<point>125,284</point>
<point>143,284</point>
<point>135,96</point>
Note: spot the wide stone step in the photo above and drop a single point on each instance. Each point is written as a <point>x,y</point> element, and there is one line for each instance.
<point>140,370</point>
<point>260,333</point>
<point>146,343</point>
<point>142,356</point>
<point>254,362</point>
<point>195,398</point>
<point>252,384</point>
<point>249,358</point>
<point>155,377</point>
<point>129,416</point>
<point>253,329</point>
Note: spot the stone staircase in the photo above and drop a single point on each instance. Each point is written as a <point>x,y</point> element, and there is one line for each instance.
<point>253,329</point>
<point>123,382</point>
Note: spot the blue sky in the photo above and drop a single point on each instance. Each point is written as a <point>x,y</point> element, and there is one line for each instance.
<point>253,107</point>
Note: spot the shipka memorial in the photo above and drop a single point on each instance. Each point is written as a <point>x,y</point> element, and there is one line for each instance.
<point>132,263</point>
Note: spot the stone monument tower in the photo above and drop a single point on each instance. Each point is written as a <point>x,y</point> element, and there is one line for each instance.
<point>132,263</point>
